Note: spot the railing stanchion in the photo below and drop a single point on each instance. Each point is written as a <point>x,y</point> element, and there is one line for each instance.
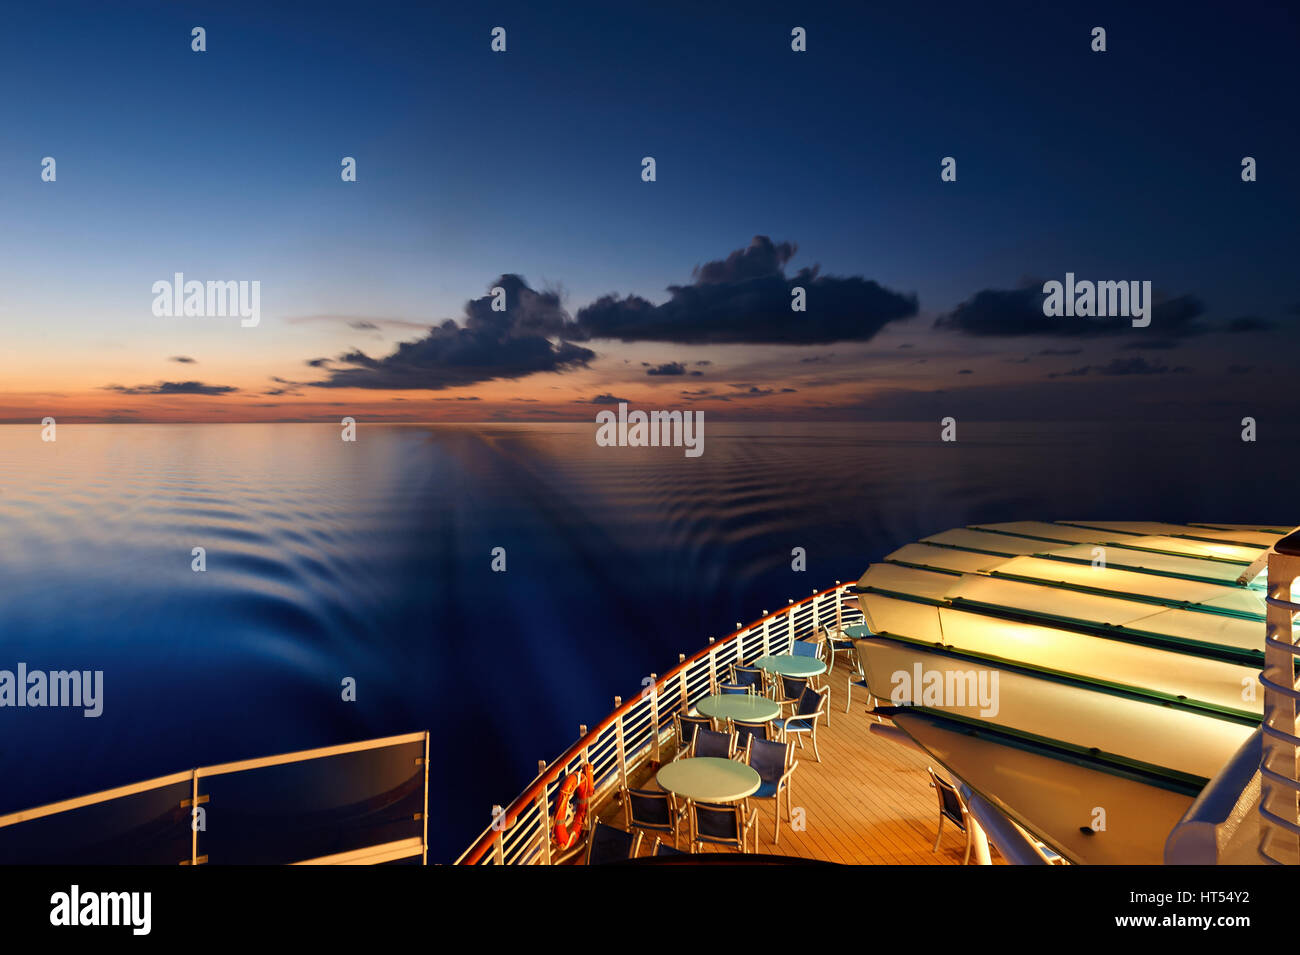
<point>767,637</point>
<point>654,715</point>
<point>618,742</point>
<point>498,846</point>
<point>681,680</point>
<point>713,666</point>
<point>839,610</point>
<point>543,814</point>
<point>424,853</point>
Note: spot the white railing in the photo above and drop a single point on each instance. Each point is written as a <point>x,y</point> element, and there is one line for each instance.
<point>639,730</point>
<point>1279,804</point>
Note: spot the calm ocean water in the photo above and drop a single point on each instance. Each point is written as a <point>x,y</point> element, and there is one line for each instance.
<point>372,560</point>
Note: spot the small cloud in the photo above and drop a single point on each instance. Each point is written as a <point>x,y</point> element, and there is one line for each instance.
<point>1124,366</point>
<point>667,368</point>
<point>183,359</point>
<point>607,400</point>
<point>173,388</point>
<point>318,362</point>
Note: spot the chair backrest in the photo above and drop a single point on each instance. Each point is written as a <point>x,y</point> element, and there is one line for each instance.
<point>663,849</point>
<point>745,731</point>
<point>733,689</point>
<point>648,809</point>
<point>950,804</point>
<point>802,648</point>
<point>810,701</point>
<point>768,758</point>
<point>793,686</point>
<point>608,844</point>
<point>686,727</point>
<point>722,824</point>
<point>712,743</point>
<point>746,676</point>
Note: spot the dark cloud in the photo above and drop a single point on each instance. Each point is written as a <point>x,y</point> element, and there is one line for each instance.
<point>173,388</point>
<point>745,299</point>
<point>364,326</point>
<point>183,359</point>
<point>1250,323</point>
<point>508,344</point>
<point>668,368</point>
<point>1060,351</point>
<point>1124,366</point>
<point>965,371</point>
<point>1152,344</point>
<point>319,362</point>
<point>1006,313</point>
<point>606,400</point>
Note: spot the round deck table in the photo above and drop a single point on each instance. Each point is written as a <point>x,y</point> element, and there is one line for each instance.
<point>739,706</point>
<point>709,779</point>
<point>787,665</point>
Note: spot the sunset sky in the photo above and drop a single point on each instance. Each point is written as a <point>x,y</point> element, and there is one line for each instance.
<point>523,169</point>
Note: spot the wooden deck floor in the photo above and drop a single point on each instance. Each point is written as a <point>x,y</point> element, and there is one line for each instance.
<point>868,802</point>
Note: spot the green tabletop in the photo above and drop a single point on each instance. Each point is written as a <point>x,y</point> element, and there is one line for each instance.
<point>787,665</point>
<point>709,779</point>
<point>858,631</point>
<point>739,706</point>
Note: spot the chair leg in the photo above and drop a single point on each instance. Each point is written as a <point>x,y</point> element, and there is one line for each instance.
<point>816,751</point>
<point>776,813</point>
<point>966,859</point>
<point>848,694</point>
<point>938,835</point>
<point>636,844</point>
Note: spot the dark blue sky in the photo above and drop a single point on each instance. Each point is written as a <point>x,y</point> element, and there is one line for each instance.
<point>471,164</point>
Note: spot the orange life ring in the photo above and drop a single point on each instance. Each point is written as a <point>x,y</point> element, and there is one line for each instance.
<point>566,834</point>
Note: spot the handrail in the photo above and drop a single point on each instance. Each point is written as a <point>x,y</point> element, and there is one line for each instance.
<point>660,700</point>
<point>403,848</point>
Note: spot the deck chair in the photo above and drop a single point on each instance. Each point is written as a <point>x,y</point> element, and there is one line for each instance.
<point>659,849</point>
<point>806,717</point>
<point>952,809</point>
<point>774,763</point>
<point>608,844</point>
<point>651,811</point>
<point>744,730</point>
<point>713,743</point>
<point>686,727</point>
<point>722,825</point>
